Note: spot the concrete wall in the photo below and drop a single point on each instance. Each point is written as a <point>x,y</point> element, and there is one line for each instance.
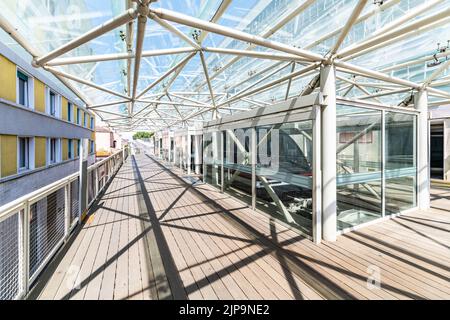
<point>18,120</point>
<point>15,188</point>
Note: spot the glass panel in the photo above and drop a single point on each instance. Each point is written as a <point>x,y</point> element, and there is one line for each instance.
<point>238,163</point>
<point>69,152</point>
<point>400,162</point>
<point>52,104</point>
<point>284,172</point>
<point>21,152</point>
<point>213,158</point>
<point>359,141</point>
<point>23,88</point>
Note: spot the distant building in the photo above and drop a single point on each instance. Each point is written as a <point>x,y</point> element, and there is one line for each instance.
<point>107,142</point>
<point>40,128</point>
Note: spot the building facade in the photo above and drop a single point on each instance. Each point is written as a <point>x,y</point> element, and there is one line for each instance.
<point>107,142</point>
<point>41,125</point>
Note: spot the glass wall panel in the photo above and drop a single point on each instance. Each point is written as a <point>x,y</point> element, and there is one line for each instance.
<point>238,163</point>
<point>212,158</point>
<point>400,150</point>
<point>284,172</point>
<point>359,143</point>
<point>178,151</point>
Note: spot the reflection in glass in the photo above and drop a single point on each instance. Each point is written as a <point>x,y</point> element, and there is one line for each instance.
<point>284,172</point>
<point>238,163</point>
<point>359,141</point>
<point>400,162</point>
<point>212,158</point>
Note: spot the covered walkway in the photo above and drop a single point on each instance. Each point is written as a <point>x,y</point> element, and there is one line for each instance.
<point>152,235</point>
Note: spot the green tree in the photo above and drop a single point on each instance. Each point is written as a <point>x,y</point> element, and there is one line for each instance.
<point>142,135</point>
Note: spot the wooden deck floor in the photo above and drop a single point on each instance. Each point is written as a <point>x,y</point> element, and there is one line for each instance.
<point>153,236</point>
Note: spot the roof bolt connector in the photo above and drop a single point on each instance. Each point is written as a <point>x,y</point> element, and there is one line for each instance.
<point>143,10</point>
<point>34,63</point>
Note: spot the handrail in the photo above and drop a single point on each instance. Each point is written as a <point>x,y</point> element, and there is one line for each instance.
<point>29,224</point>
<point>51,187</point>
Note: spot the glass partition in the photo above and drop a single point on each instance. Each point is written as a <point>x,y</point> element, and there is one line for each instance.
<point>358,167</point>
<point>284,172</point>
<point>269,163</point>
<point>238,163</point>
<point>400,150</point>
<point>178,151</point>
<point>212,158</point>
<point>366,189</point>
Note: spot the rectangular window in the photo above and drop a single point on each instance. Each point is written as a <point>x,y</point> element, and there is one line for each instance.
<point>91,149</point>
<point>70,149</point>
<point>24,153</point>
<point>69,111</point>
<point>53,151</point>
<point>78,117</point>
<point>85,119</point>
<point>92,123</point>
<point>52,101</point>
<point>23,89</point>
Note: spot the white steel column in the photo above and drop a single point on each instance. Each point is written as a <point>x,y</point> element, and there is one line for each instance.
<point>198,153</point>
<point>328,88</point>
<point>189,153</point>
<point>423,169</point>
<point>317,176</point>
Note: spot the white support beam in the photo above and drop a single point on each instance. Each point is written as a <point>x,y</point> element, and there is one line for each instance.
<point>165,75</point>
<point>117,56</point>
<point>205,71</point>
<point>267,33</point>
<point>112,103</point>
<point>142,22</point>
<point>257,54</point>
<point>173,103</point>
<point>272,83</point>
<point>423,136</point>
<point>122,19</point>
<point>436,73</point>
<point>411,27</point>
<point>174,31</point>
<point>383,93</point>
<point>232,33</point>
<point>348,25</point>
<point>88,83</point>
<point>352,69</point>
<point>186,98</point>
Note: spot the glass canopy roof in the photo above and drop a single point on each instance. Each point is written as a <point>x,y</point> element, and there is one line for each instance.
<point>199,58</point>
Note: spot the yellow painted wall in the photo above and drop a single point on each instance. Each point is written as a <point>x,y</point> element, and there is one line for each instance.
<point>64,108</point>
<point>40,151</point>
<point>8,155</point>
<point>39,96</point>
<point>8,75</point>
<point>65,149</point>
<point>75,108</point>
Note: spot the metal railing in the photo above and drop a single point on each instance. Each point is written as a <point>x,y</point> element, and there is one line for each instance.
<point>35,226</point>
